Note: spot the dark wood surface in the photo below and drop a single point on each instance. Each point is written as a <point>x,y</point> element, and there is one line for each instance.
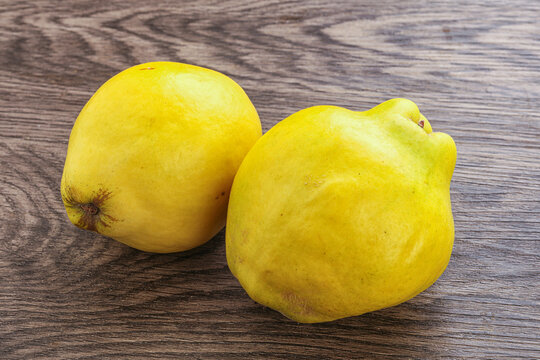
<point>472,67</point>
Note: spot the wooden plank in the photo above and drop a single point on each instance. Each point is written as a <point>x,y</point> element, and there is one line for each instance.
<point>474,70</point>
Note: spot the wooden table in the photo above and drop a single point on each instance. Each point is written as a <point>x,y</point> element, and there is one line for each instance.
<point>474,70</point>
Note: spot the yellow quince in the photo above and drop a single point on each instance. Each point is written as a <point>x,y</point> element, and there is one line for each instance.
<point>335,213</point>
<point>152,156</point>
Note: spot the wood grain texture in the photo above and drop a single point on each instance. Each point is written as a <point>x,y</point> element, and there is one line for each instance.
<point>472,67</point>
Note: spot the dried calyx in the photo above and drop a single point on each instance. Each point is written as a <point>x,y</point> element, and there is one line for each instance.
<point>90,209</point>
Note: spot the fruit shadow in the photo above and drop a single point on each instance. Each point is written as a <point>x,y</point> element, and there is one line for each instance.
<point>194,291</point>
<point>137,278</point>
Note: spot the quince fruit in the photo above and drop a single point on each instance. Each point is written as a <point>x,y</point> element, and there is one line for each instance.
<point>335,213</point>
<point>152,155</point>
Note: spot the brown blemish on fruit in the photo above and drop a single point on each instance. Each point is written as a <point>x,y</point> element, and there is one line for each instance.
<point>421,123</point>
<point>93,212</point>
<point>315,182</point>
<point>147,68</point>
<point>222,194</point>
<point>299,303</point>
<point>244,237</point>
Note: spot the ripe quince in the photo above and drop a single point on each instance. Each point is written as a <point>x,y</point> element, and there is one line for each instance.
<point>335,213</point>
<point>152,155</point>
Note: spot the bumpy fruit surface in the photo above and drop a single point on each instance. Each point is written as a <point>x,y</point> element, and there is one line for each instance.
<point>152,156</point>
<point>335,213</point>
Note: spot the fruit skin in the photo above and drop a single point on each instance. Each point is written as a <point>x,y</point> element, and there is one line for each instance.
<point>335,213</point>
<point>152,155</point>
